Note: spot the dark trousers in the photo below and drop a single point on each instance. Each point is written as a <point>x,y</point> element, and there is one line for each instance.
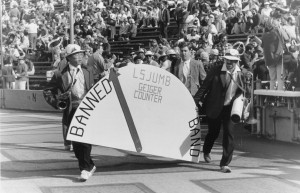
<point>163,29</point>
<point>82,150</point>
<point>214,126</point>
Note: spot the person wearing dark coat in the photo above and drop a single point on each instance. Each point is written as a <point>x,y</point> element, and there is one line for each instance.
<point>221,87</point>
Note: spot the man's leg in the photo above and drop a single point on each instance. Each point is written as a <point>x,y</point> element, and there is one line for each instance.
<point>228,144</point>
<point>65,132</point>
<point>83,154</point>
<point>213,133</point>
<point>166,31</point>
<point>273,76</point>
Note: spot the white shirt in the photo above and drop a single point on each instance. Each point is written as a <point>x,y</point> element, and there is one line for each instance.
<point>32,28</point>
<point>195,37</point>
<point>232,88</point>
<point>78,89</point>
<point>186,73</point>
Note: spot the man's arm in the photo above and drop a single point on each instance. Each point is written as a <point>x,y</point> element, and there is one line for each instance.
<point>205,87</point>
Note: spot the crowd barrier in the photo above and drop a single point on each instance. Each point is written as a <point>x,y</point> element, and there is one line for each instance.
<point>24,100</point>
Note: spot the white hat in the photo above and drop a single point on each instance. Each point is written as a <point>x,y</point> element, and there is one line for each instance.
<point>232,54</point>
<point>171,51</point>
<point>73,49</point>
<point>149,53</point>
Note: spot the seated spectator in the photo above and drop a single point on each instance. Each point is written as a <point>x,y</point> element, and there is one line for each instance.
<point>123,31</point>
<point>24,43</point>
<point>138,60</point>
<point>149,59</point>
<point>132,29</point>
<point>193,35</point>
<point>164,62</point>
<point>30,67</point>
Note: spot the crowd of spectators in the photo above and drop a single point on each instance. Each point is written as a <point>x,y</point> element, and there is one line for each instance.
<point>36,30</point>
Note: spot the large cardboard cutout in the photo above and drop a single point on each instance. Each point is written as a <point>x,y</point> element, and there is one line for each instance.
<point>139,108</point>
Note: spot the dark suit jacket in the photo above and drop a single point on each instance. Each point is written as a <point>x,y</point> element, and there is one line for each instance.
<point>198,73</point>
<point>166,16</point>
<point>212,92</point>
<point>60,83</point>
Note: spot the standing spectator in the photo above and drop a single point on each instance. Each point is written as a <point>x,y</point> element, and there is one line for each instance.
<point>190,72</point>
<point>221,87</point>
<point>21,75</point>
<point>164,19</point>
<point>32,29</point>
<point>9,73</point>
<point>273,43</point>
<point>14,14</point>
<point>96,62</point>
<point>181,20</point>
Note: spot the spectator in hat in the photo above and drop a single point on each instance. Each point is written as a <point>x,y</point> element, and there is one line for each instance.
<point>173,56</point>
<point>164,62</point>
<point>266,10</point>
<point>149,59</point>
<point>217,97</point>
<point>141,53</point>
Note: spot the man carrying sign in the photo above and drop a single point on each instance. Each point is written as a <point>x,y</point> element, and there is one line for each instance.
<point>74,81</point>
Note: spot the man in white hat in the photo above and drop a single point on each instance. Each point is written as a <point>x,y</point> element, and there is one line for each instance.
<point>149,59</point>
<point>74,80</point>
<point>220,88</point>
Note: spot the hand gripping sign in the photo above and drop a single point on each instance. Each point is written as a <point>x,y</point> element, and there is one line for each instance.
<point>140,108</point>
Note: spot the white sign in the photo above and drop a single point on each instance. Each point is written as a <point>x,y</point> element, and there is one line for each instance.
<point>140,108</point>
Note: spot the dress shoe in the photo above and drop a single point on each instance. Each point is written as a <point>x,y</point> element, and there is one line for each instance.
<point>225,169</point>
<point>207,158</point>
